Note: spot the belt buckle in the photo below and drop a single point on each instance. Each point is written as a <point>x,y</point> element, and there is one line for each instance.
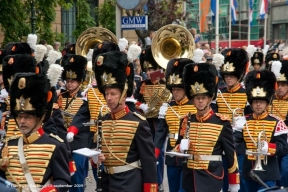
<point>110,170</point>
<point>196,158</point>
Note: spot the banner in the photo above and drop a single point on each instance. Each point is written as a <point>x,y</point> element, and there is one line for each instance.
<point>204,9</point>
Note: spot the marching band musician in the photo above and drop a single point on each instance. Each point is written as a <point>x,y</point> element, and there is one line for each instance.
<point>233,97</point>
<point>205,135</point>
<point>271,56</point>
<point>69,102</point>
<point>279,107</point>
<point>257,60</point>
<point>127,143</point>
<point>93,100</point>
<point>260,90</point>
<point>148,93</point>
<point>169,119</point>
<point>34,161</point>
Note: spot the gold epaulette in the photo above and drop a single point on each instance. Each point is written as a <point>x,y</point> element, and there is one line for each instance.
<point>12,138</point>
<point>223,117</point>
<point>139,116</point>
<point>56,137</point>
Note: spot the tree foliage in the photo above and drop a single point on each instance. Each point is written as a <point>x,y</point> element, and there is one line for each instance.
<point>83,18</point>
<point>15,18</point>
<point>106,15</point>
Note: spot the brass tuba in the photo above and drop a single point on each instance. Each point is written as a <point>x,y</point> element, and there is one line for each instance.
<point>91,37</point>
<point>88,40</point>
<point>172,41</point>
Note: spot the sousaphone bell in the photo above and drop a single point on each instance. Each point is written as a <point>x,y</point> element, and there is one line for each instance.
<point>172,41</point>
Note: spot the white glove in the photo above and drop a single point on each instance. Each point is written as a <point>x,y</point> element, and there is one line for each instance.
<point>234,187</point>
<point>264,147</point>
<point>238,123</point>
<point>184,145</point>
<point>72,173</point>
<point>95,159</point>
<point>4,94</point>
<point>144,107</point>
<point>162,111</point>
<point>70,136</point>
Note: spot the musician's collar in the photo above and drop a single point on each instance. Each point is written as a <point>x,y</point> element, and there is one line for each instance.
<point>262,116</point>
<point>205,116</point>
<point>120,113</point>
<point>234,88</point>
<point>183,101</point>
<point>34,136</point>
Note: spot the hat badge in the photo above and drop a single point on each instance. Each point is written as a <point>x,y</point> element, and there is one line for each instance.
<point>228,67</point>
<point>258,92</point>
<point>275,56</point>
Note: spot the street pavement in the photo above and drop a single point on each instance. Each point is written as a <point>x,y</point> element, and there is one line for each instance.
<point>91,184</point>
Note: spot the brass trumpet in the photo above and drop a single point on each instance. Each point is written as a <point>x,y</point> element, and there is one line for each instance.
<point>258,165</point>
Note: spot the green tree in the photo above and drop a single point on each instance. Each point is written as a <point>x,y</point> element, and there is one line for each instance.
<point>16,24</point>
<point>106,15</point>
<point>83,18</point>
<point>15,19</point>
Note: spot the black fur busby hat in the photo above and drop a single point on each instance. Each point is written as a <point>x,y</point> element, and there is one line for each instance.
<point>174,71</point>
<point>280,70</point>
<point>260,85</point>
<point>20,63</point>
<point>257,58</point>
<point>70,49</point>
<point>147,60</point>
<point>103,47</point>
<point>269,58</point>
<point>30,93</point>
<point>74,67</point>
<point>2,55</point>
<point>112,69</point>
<point>13,48</point>
<point>235,63</point>
<point>200,79</point>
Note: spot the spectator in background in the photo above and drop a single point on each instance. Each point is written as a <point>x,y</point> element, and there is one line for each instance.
<point>56,46</point>
<point>148,40</point>
<point>196,37</point>
<point>276,44</point>
<point>260,43</point>
<point>43,42</point>
<point>64,49</point>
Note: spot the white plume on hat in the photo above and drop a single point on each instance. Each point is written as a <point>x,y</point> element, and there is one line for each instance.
<point>265,50</point>
<point>250,50</point>
<point>122,44</point>
<point>89,55</point>
<point>49,48</point>
<point>32,40</point>
<point>133,52</point>
<point>275,68</point>
<point>218,60</point>
<point>40,52</point>
<point>54,73</point>
<point>52,57</point>
<point>198,55</point>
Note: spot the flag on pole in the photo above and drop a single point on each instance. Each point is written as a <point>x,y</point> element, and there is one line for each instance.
<point>213,9</point>
<point>250,11</point>
<point>233,6</point>
<point>263,8</point>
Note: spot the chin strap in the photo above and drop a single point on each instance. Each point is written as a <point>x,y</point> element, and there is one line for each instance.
<point>123,94</point>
